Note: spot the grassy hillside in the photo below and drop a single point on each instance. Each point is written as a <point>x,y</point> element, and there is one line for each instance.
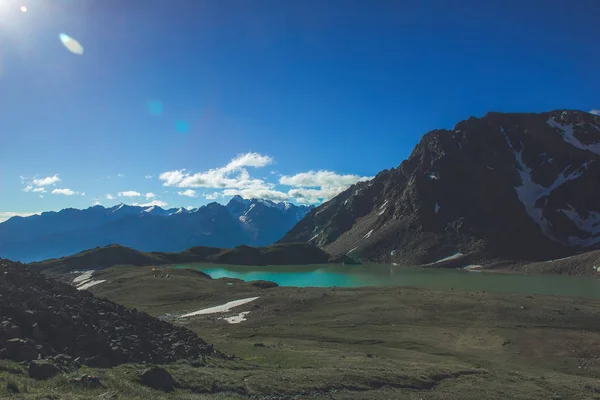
<point>363,343</point>
<point>105,257</point>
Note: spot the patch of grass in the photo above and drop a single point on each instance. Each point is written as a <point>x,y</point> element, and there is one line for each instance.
<point>356,343</point>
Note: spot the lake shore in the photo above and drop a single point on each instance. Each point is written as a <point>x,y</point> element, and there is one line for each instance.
<point>384,342</point>
<point>354,343</point>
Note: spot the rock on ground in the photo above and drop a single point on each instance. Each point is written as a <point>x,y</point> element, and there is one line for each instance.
<point>157,378</point>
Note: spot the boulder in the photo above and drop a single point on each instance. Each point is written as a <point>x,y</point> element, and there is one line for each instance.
<point>11,330</point>
<point>264,284</point>
<point>42,370</point>
<point>19,350</point>
<point>157,378</point>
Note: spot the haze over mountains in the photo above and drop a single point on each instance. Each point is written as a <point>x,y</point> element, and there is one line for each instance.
<point>253,222</point>
<point>512,186</point>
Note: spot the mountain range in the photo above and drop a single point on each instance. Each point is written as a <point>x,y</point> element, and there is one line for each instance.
<point>254,222</point>
<point>518,186</point>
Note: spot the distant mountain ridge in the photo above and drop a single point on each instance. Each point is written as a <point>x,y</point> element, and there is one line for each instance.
<point>253,222</point>
<point>108,256</point>
<point>514,186</point>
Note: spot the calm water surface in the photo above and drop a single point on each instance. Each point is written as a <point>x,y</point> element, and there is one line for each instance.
<point>386,275</point>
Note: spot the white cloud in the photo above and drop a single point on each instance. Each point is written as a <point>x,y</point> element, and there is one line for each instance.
<point>28,188</point>
<point>312,196</point>
<point>49,180</point>
<point>120,175</point>
<point>321,179</point>
<point>157,203</point>
<point>38,189</point>
<point>258,193</point>
<point>232,175</point>
<point>316,186</point>
<point>41,197</point>
<point>234,179</point>
<point>65,192</point>
<point>97,203</point>
<point>188,193</point>
<point>129,193</point>
<point>149,176</point>
<point>110,197</point>
<point>149,195</point>
<point>212,196</point>
<point>4,215</point>
<point>595,111</point>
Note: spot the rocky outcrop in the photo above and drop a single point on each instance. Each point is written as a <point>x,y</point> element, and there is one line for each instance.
<point>43,318</point>
<point>511,186</point>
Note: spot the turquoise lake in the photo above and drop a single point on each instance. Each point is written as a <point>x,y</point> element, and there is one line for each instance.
<point>386,275</point>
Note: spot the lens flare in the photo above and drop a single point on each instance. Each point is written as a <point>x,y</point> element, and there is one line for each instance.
<point>23,9</point>
<point>155,107</point>
<point>182,127</point>
<point>71,44</point>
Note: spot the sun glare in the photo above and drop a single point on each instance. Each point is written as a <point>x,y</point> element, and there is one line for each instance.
<point>23,9</point>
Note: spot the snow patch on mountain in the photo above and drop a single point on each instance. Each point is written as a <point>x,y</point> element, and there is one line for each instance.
<point>569,137</point>
<point>589,224</point>
<point>529,192</point>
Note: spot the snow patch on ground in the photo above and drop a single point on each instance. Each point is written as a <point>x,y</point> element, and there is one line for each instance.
<point>87,275</point>
<point>392,252</point>
<point>472,267</point>
<point>84,281</point>
<point>381,212</point>
<point>352,250</point>
<point>89,284</point>
<point>559,259</point>
<point>436,208</point>
<point>222,308</point>
<point>313,238</point>
<point>569,137</point>
<point>434,177</point>
<point>368,235</point>
<point>452,257</point>
<point>236,319</point>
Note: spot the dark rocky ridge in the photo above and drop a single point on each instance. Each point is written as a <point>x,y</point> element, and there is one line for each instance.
<point>105,257</point>
<point>43,318</point>
<point>510,186</point>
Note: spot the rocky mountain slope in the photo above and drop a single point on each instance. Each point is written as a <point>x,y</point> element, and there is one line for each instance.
<point>511,186</point>
<point>43,318</point>
<point>56,234</point>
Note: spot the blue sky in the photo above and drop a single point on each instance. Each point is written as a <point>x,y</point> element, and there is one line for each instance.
<point>288,100</point>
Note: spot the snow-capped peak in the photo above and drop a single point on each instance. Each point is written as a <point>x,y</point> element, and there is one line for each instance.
<point>284,205</point>
<point>265,202</point>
